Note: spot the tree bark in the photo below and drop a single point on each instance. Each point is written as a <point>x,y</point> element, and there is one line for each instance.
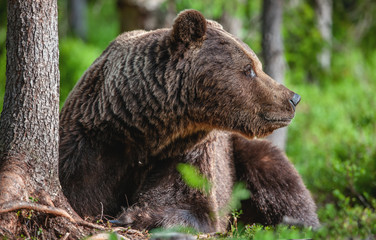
<point>272,47</point>
<point>29,121</point>
<point>29,124</point>
<point>323,10</point>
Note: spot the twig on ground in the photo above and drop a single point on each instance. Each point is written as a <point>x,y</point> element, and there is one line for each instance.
<point>26,231</point>
<point>6,231</point>
<point>89,224</point>
<point>101,211</point>
<point>66,236</point>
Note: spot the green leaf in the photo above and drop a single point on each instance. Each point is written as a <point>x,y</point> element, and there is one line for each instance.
<point>193,178</point>
<point>239,193</point>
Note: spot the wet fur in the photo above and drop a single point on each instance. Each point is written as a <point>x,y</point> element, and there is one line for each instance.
<point>156,99</point>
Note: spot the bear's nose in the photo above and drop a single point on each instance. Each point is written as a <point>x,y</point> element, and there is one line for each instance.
<point>295,100</point>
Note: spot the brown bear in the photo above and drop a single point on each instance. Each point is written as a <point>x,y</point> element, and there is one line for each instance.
<point>191,94</point>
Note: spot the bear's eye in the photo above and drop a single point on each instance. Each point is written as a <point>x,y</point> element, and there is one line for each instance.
<point>249,72</point>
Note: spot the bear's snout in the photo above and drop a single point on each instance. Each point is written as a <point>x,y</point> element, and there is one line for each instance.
<point>295,100</point>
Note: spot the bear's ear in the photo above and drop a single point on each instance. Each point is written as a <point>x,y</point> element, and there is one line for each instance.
<point>189,27</point>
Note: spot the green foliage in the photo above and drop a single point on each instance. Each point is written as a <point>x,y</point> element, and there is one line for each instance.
<point>239,193</point>
<point>179,229</point>
<point>102,20</point>
<point>103,23</point>
<point>215,11</point>
<point>40,231</point>
<point>331,142</point>
<point>33,200</point>
<point>75,58</point>
<point>337,144</point>
<point>355,22</point>
<point>302,42</point>
<point>260,232</point>
<point>113,236</point>
<point>235,214</point>
<point>75,55</point>
<point>283,232</point>
<point>347,219</point>
<point>193,178</point>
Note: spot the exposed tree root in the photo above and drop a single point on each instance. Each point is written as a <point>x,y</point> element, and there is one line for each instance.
<point>20,205</point>
<point>17,205</point>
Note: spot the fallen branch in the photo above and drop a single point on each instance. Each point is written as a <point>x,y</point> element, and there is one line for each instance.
<point>66,236</point>
<point>6,231</point>
<point>26,231</point>
<point>17,205</point>
<point>92,225</point>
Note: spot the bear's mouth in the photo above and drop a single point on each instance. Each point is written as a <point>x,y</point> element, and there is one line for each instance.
<point>283,121</point>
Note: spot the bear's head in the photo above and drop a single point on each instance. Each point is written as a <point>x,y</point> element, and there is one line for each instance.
<point>229,89</point>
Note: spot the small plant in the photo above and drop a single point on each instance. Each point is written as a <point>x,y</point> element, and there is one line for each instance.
<point>34,200</point>
<point>235,214</point>
<point>40,231</point>
<point>29,214</point>
<point>193,178</point>
<point>239,193</point>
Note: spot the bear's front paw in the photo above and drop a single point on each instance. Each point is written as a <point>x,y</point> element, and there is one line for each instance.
<point>134,217</point>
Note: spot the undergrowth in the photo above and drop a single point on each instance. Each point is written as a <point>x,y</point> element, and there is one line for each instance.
<point>331,143</point>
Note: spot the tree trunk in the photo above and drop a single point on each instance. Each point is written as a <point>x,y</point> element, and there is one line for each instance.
<point>323,10</point>
<point>77,18</point>
<point>29,124</point>
<point>232,24</point>
<point>272,47</point>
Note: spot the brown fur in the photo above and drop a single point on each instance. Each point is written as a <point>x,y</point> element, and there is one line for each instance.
<point>276,187</point>
<point>155,99</point>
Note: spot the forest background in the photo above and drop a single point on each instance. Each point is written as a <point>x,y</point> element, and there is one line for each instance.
<point>330,141</point>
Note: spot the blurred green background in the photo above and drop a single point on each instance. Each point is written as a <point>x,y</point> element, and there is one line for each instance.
<point>331,140</point>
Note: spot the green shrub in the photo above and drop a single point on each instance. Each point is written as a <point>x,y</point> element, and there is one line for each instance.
<point>75,57</point>
<point>347,220</point>
<point>103,23</point>
<point>331,142</point>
